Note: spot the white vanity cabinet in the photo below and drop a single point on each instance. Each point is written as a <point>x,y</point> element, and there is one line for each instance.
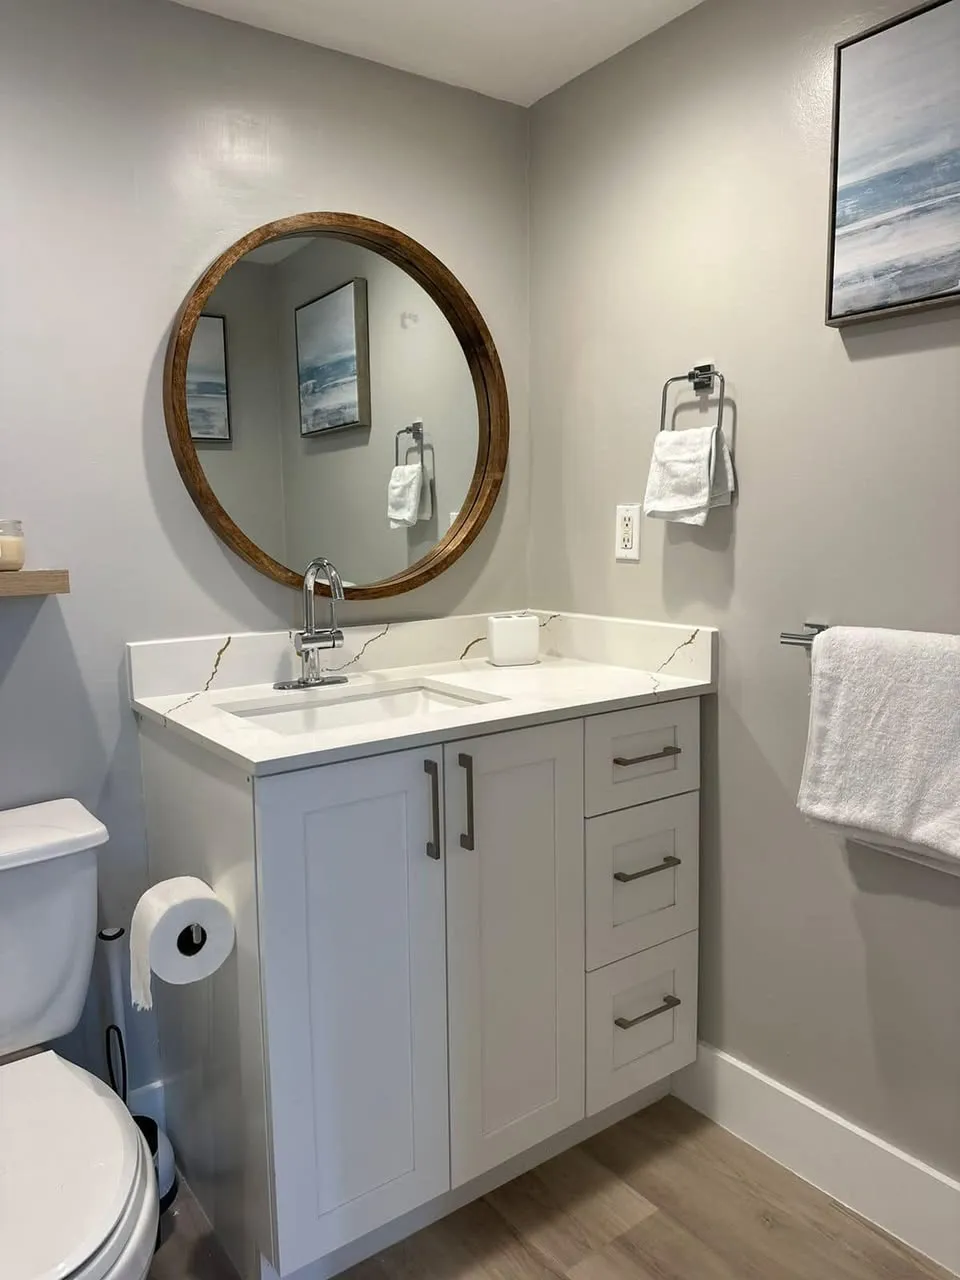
<point>642,891</point>
<point>515,942</point>
<point>353,950</point>
<point>357,943</point>
<point>451,961</point>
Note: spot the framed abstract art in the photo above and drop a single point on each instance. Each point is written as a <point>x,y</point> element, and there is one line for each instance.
<point>895,206</point>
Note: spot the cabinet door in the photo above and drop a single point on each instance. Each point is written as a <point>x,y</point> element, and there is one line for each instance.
<point>353,945</point>
<point>515,942</point>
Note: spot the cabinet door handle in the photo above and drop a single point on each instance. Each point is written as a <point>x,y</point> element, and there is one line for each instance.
<point>468,841</point>
<point>432,770</point>
<point>628,877</point>
<point>623,762</point>
<point>669,1002</point>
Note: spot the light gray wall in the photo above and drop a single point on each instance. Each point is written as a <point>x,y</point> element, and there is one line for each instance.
<point>140,139</point>
<point>336,484</point>
<point>679,214</point>
<point>246,472</point>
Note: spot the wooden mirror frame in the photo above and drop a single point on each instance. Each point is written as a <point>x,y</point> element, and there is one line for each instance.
<point>478,348</point>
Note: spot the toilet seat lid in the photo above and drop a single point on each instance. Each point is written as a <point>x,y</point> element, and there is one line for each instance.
<point>68,1165</point>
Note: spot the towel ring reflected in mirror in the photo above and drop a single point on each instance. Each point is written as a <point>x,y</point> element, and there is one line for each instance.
<point>201,459</point>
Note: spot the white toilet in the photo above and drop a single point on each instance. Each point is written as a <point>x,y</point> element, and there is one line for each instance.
<point>78,1198</point>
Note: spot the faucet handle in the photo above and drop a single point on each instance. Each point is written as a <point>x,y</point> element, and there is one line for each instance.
<point>323,638</point>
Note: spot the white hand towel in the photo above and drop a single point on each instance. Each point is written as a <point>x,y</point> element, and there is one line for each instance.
<point>425,509</point>
<point>691,473</point>
<point>724,483</point>
<point>403,495</point>
<point>883,748</point>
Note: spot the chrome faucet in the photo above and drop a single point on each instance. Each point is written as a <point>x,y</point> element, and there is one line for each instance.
<point>313,640</point>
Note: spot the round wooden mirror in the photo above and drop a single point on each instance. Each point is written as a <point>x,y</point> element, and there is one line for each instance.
<point>320,361</point>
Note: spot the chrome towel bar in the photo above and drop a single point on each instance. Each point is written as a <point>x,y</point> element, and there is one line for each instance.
<point>803,639</point>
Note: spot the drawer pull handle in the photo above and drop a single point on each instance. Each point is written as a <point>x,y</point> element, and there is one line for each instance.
<point>468,838</point>
<point>626,877</point>
<point>624,762</point>
<point>669,1002</point>
<point>432,770</point>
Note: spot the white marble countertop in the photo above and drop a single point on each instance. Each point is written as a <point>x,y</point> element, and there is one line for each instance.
<point>557,688</point>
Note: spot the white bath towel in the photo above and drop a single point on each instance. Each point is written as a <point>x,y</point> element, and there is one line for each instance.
<point>403,495</point>
<point>691,472</point>
<point>883,747</point>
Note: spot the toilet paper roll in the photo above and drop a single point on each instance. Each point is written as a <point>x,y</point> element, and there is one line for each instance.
<point>181,931</point>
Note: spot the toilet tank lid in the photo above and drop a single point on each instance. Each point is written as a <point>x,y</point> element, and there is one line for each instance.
<point>50,830</point>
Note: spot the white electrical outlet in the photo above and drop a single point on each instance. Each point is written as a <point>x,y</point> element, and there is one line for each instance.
<point>628,531</point>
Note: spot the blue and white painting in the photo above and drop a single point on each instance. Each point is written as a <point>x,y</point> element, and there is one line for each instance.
<point>897,217</point>
<point>208,404</point>
<point>331,360</point>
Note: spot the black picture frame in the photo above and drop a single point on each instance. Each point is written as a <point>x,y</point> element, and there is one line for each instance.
<point>892,286</point>
<point>333,384</point>
<point>208,382</point>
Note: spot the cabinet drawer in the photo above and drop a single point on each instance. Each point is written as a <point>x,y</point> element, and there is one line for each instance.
<point>642,877</point>
<point>656,992</point>
<point>632,757</point>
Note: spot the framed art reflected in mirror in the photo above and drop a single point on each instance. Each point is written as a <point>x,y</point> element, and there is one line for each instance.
<point>333,360</point>
<point>208,391</point>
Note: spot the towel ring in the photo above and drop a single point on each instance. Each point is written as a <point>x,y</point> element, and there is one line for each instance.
<point>701,377</point>
<point>416,430</point>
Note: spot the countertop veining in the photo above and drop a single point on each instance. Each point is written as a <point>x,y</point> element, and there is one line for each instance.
<point>554,689</point>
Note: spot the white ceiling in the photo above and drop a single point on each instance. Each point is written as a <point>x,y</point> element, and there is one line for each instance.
<point>517,50</point>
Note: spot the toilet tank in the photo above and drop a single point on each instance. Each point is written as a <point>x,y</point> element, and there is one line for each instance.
<point>48,919</point>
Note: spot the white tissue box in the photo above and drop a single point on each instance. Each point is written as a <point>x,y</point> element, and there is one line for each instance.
<point>514,639</point>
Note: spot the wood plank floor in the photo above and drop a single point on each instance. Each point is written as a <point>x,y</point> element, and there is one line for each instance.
<point>665,1195</point>
<point>189,1250</point>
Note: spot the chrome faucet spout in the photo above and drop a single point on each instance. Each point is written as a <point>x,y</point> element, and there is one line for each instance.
<point>334,581</point>
<point>312,640</point>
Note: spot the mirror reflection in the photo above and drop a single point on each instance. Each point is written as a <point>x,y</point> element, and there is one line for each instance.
<point>332,408</point>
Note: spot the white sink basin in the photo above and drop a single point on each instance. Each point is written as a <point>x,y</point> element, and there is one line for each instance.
<point>312,710</point>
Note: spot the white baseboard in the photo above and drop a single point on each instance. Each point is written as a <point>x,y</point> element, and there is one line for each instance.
<point>908,1199</point>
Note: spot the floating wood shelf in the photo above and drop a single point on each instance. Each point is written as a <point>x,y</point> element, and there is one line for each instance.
<point>34,582</point>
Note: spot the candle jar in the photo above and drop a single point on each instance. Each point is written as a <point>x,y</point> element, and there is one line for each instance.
<point>11,544</point>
